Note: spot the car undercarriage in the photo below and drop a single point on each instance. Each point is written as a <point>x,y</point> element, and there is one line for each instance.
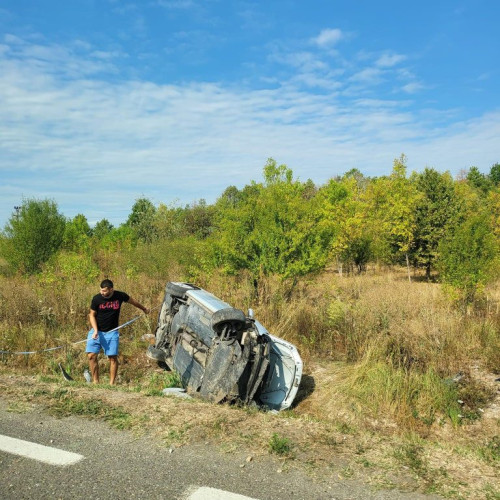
<point>220,353</point>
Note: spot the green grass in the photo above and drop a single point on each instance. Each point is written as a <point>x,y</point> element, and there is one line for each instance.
<point>67,404</point>
<point>156,382</point>
<point>411,455</point>
<point>18,407</point>
<point>490,453</point>
<point>280,445</point>
<point>491,492</point>
<point>177,435</point>
<point>388,352</point>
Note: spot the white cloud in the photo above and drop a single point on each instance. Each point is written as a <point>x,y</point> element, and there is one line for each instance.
<point>72,60</point>
<point>390,60</point>
<point>370,76</point>
<point>328,37</point>
<point>13,39</point>
<point>412,87</point>
<point>95,146</point>
<point>302,60</point>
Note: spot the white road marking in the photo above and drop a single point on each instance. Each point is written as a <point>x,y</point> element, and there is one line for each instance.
<point>205,493</point>
<point>39,452</point>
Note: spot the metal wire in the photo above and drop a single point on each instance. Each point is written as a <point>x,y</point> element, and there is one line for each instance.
<point>73,343</point>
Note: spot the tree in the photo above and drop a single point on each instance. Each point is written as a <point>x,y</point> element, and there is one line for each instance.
<point>33,235</point>
<point>198,219</point>
<point>123,237</point>
<point>341,221</point>
<point>141,219</point>
<point>169,222</point>
<point>271,229</point>
<point>391,209</point>
<point>478,180</point>
<point>495,174</point>
<point>102,229</point>
<point>76,234</point>
<point>493,205</point>
<point>230,197</point>
<point>469,256</point>
<point>437,210</point>
<point>274,174</point>
<point>361,180</point>
<point>359,251</point>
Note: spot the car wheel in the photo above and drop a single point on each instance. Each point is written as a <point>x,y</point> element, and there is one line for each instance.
<point>229,315</point>
<point>179,289</point>
<point>163,327</point>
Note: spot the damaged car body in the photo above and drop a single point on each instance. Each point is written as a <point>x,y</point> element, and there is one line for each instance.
<point>222,354</point>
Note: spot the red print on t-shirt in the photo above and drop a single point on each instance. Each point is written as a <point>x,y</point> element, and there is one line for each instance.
<point>112,304</point>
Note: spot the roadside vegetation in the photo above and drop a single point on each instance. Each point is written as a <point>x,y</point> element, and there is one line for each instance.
<point>389,287</point>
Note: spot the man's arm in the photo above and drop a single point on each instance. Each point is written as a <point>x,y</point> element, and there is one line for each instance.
<point>138,305</point>
<point>93,322</point>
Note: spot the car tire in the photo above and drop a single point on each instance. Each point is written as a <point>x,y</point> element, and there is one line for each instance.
<point>162,332</point>
<point>179,289</point>
<point>228,315</point>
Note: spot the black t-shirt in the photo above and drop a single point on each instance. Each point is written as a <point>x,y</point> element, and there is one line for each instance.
<point>108,310</point>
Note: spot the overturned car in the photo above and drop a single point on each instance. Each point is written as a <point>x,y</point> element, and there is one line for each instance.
<point>222,354</point>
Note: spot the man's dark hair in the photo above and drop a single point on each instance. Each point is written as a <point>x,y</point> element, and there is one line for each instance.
<point>106,284</point>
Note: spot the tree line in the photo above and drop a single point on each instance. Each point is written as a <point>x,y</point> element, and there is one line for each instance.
<point>447,228</point>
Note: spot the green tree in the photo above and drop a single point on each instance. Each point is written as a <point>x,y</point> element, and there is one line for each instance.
<point>271,229</point>
<point>142,219</point>
<point>359,251</point>
<point>391,211</point>
<point>469,256</point>
<point>33,235</point>
<point>276,174</point>
<point>478,180</point>
<point>437,210</point>
<point>123,237</point>
<point>102,229</point>
<point>361,180</point>
<point>231,197</point>
<point>169,222</point>
<point>495,174</point>
<point>341,222</point>
<point>493,204</point>
<point>198,219</point>
<point>76,234</point>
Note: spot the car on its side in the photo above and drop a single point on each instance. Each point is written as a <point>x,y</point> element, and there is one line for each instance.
<point>221,353</point>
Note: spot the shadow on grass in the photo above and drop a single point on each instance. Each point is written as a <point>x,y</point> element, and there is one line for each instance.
<point>306,388</point>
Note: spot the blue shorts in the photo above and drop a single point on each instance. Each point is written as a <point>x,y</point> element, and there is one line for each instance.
<point>106,341</point>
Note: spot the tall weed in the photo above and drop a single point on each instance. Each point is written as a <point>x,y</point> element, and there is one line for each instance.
<point>398,342</point>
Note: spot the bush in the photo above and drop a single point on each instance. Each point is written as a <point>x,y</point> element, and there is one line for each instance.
<point>469,258</point>
<point>33,235</point>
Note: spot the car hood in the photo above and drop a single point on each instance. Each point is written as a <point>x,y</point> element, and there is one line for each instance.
<point>284,374</point>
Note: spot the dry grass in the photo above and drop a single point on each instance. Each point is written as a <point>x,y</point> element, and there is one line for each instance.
<point>378,394</point>
<point>333,446</point>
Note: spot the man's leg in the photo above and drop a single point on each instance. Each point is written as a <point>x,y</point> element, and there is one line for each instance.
<point>93,366</point>
<point>113,368</point>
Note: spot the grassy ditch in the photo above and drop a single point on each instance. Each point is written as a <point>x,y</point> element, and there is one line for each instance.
<point>329,448</point>
<point>395,374</point>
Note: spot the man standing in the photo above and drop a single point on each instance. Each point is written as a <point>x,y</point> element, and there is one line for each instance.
<point>104,316</point>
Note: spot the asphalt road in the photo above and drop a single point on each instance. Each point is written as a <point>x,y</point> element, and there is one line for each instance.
<point>118,464</point>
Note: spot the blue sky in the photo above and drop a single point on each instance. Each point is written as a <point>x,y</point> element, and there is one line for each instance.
<point>103,102</point>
